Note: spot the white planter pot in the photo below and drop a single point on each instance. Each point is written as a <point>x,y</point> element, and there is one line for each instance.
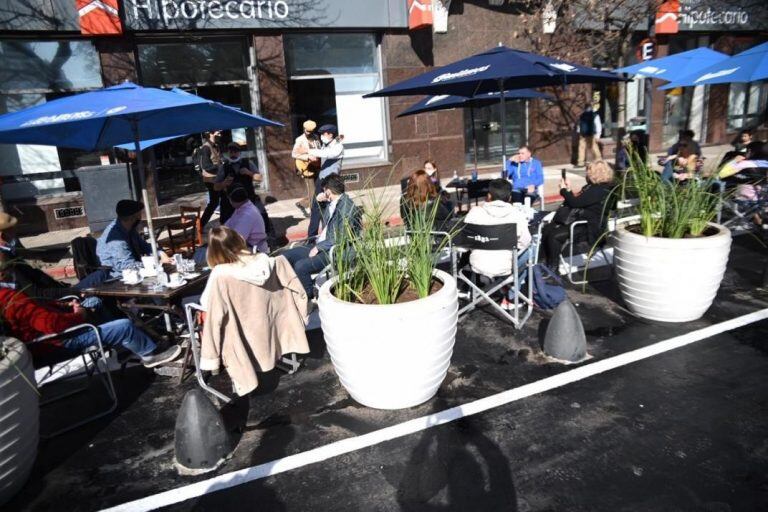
<point>19,418</point>
<point>391,356</point>
<point>670,280</point>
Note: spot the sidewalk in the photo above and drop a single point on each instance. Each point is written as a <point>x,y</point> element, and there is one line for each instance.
<point>288,219</point>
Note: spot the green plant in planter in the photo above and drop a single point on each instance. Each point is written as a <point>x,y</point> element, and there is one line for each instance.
<point>668,209</point>
<point>372,265</point>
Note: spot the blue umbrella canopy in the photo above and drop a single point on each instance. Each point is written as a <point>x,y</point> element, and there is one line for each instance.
<point>120,114</point>
<point>107,117</point>
<point>748,66</point>
<point>445,102</point>
<point>499,68</point>
<point>675,66</point>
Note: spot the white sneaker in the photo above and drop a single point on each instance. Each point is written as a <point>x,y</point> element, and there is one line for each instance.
<point>166,356</point>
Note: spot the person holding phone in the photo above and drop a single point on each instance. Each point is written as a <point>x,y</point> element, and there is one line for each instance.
<point>526,175</point>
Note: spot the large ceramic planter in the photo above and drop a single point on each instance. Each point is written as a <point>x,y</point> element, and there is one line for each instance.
<point>670,280</point>
<point>19,418</point>
<point>391,356</point>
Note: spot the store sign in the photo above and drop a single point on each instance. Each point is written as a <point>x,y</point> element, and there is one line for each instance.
<point>99,17</point>
<point>419,14</point>
<point>232,14</point>
<point>711,15</point>
<point>646,50</point>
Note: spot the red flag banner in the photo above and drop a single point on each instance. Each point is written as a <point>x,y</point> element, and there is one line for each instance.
<point>99,17</point>
<point>667,17</point>
<point>419,14</point>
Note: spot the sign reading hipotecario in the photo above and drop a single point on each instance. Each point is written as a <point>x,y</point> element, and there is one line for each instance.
<point>722,15</point>
<point>233,14</point>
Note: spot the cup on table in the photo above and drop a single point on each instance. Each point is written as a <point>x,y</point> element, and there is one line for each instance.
<point>175,279</point>
<point>178,260</point>
<point>130,276</point>
<point>527,201</point>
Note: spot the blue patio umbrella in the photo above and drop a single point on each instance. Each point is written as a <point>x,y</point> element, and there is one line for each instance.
<point>105,118</point>
<point>675,66</point>
<point>748,66</point>
<point>446,102</point>
<point>497,70</point>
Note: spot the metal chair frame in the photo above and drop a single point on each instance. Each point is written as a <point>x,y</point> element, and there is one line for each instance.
<point>95,354</point>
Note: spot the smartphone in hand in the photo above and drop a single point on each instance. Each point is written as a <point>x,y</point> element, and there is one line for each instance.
<point>562,173</point>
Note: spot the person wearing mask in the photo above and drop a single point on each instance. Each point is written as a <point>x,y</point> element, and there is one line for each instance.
<point>121,246</point>
<point>526,174</point>
<point>330,155</point>
<point>338,209</point>
<point>207,161</point>
<point>420,193</point>
<point>589,204</point>
<point>27,319</point>
<point>236,172</point>
<point>430,167</point>
<point>306,169</point>
<point>247,221</point>
<point>589,128</point>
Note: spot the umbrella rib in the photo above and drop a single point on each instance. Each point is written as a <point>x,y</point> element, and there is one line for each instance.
<point>102,130</point>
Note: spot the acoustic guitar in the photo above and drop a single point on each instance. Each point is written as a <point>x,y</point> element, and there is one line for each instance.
<point>306,168</point>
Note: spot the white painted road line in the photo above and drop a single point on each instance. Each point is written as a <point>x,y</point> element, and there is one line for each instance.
<point>413,426</point>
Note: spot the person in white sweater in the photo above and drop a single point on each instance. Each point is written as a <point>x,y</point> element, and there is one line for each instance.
<point>497,210</point>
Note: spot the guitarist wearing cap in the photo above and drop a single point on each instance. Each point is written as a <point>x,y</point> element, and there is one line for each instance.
<point>306,167</point>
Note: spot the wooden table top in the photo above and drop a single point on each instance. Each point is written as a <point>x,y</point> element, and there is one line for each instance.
<point>145,289</point>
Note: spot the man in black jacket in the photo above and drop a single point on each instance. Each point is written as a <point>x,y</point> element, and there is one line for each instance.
<point>337,209</point>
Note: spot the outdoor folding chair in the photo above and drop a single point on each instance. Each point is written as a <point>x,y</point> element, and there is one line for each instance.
<point>494,238</point>
<point>289,364</point>
<point>59,358</point>
<point>84,256</point>
<point>319,278</point>
<point>740,211</point>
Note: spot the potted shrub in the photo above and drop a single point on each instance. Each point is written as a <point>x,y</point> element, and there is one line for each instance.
<point>670,261</point>
<point>389,316</point>
<point>19,416</point>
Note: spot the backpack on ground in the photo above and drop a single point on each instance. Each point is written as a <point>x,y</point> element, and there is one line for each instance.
<point>547,295</point>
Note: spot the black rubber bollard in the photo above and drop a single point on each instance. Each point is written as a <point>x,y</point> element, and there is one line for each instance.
<point>565,338</point>
<point>202,443</point>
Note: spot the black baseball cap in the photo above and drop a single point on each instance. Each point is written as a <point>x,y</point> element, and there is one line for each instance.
<point>127,207</point>
<point>329,128</point>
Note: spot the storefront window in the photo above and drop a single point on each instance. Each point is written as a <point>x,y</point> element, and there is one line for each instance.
<point>185,63</point>
<point>32,73</point>
<point>746,102</point>
<point>488,132</point>
<point>329,74</point>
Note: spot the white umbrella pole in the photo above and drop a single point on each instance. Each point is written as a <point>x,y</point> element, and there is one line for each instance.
<point>474,137</point>
<point>503,130</point>
<point>144,195</point>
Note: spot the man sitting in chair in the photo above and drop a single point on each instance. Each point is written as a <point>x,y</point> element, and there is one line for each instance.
<point>526,174</point>
<point>497,210</point>
<point>27,319</point>
<point>247,220</point>
<point>337,209</point>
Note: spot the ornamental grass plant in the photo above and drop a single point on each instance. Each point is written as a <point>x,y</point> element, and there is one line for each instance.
<point>375,264</point>
<point>669,209</point>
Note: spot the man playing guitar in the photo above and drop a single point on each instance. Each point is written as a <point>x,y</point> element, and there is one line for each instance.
<point>306,167</point>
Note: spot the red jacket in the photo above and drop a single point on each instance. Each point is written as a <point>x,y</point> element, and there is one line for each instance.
<point>26,319</point>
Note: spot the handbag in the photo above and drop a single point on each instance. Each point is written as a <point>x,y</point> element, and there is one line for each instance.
<point>566,215</point>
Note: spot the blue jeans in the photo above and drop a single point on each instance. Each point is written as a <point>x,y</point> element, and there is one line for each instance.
<point>304,266</point>
<point>668,171</point>
<point>117,333</point>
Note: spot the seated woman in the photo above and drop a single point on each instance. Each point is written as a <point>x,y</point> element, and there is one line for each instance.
<point>681,165</point>
<point>589,204</point>
<point>421,193</point>
<point>748,173</point>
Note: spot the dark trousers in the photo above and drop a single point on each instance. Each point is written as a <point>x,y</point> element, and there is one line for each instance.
<point>304,266</point>
<point>214,197</point>
<point>554,237</point>
<point>314,212</point>
<point>519,195</point>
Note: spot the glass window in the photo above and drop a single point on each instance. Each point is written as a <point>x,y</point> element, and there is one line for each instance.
<point>32,73</point>
<point>329,74</point>
<point>186,63</point>
<point>745,104</point>
<point>36,66</point>
<point>324,54</point>
<point>487,132</point>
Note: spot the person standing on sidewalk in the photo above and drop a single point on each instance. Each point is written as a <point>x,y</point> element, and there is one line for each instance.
<point>306,169</point>
<point>207,159</point>
<point>589,128</point>
<point>330,155</point>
